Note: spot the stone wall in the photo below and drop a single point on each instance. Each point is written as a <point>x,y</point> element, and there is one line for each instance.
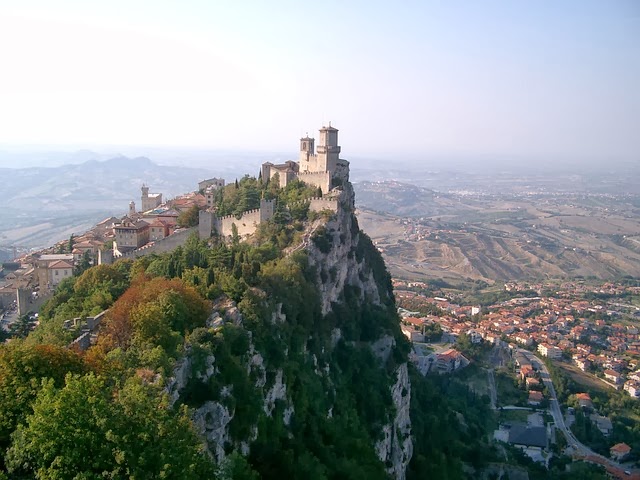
<point>88,330</point>
<point>246,224</point>
<point>167,244</point>
<point>318,204</point>
<point>25,300</point>
<point>317,179</point>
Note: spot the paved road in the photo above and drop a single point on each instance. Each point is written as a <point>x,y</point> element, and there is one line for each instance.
<point>581,449</point>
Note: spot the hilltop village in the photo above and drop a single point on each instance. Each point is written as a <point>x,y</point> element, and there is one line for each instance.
<point>158,226</point>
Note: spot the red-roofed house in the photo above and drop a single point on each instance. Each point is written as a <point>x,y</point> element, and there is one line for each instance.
<point>526,371</point>
<point>59,270</point>
<point>613,376</point>
<point>535,398</point>
<point>158,229</point>
<point>584,400</point>
<point>450,360</point>
<point>620,451</point>
<point>532,382</point>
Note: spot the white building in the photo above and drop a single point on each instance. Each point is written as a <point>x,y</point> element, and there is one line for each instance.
<point>549,351</point>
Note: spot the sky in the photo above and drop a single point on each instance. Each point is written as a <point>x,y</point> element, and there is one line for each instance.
<point>541,80</point>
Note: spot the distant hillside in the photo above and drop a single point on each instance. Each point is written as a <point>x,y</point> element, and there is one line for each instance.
<point>402,199</point>
<point>43,205</point>
<point>426,235</point>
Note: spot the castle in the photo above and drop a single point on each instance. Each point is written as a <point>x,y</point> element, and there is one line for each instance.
<point>324,169</point>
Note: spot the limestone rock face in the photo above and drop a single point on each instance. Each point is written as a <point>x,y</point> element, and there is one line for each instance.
<point>277,392</point>
<point>212,422</point>
<point>340,256</point>
<point>340,265</point>
<point>181,375</point>
<point>396,448</point>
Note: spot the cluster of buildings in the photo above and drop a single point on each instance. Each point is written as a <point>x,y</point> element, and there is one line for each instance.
<point>156,220</point>
<point>34,275</point>
<point>591,326</point>
<point>154,227</point>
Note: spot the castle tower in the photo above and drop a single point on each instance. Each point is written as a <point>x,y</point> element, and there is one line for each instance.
<point>149,201</point>
<point>328,149</point>
<point>307,149</point>
<point>132,208</point>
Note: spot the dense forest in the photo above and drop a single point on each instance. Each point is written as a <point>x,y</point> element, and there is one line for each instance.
<point>241,324</point>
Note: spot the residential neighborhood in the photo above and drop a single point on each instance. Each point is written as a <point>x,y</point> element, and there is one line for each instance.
<point>590,326</point>
<point>574,328</point>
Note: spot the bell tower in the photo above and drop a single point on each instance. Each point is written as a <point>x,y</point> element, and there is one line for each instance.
<point>307,153</point>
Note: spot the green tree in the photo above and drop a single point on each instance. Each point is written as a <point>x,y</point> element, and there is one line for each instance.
<point>22,367</point>
<point>21,327</point>
<point>190,217</point>
<point>88,430</point>
<point>84,264</point>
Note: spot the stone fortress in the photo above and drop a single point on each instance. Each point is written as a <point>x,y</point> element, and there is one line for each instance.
<point>323,169</point>
<point>154,228</point>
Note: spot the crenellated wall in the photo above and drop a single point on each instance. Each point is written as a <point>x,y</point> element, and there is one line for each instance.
<point>317,179</point>
<point>317,204</point>
<point>246,224</point>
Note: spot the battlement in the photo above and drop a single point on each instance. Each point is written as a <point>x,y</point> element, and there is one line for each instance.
<point>247,224</point>
<point>244,214</point>
<point>167,244</point>
<point>88,330</point>
<point>318,204</point>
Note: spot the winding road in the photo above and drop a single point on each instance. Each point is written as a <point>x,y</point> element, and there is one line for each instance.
<point>580,449</point>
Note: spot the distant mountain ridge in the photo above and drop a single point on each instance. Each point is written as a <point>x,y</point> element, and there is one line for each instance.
<point>94,184</point>
<point>45,204</point>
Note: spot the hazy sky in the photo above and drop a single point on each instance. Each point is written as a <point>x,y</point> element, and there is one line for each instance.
<point>548,79</point>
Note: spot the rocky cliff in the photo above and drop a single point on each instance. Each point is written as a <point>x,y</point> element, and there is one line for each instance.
<point>310,366</point>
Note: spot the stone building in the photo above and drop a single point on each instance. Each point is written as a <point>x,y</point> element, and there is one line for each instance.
<point>322,168</point>
<point>51,269</point>
<point>149,200</point>
<point>159,229</point>
<point>210,184</point>
<point>129,235</point>
<point>209,223</point>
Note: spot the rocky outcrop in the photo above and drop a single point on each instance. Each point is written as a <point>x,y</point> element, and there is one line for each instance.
<point>212,422</point>
<point>396,447</point>
<point>341,256</point>
<point>339,262</point>
<point>277,392</point>
<point>179,379</point>
<point>333,252</point>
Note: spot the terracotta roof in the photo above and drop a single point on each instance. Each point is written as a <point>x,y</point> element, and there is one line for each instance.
<point>533,395</point>
<point>60,264</point>
<point>620,448</point>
